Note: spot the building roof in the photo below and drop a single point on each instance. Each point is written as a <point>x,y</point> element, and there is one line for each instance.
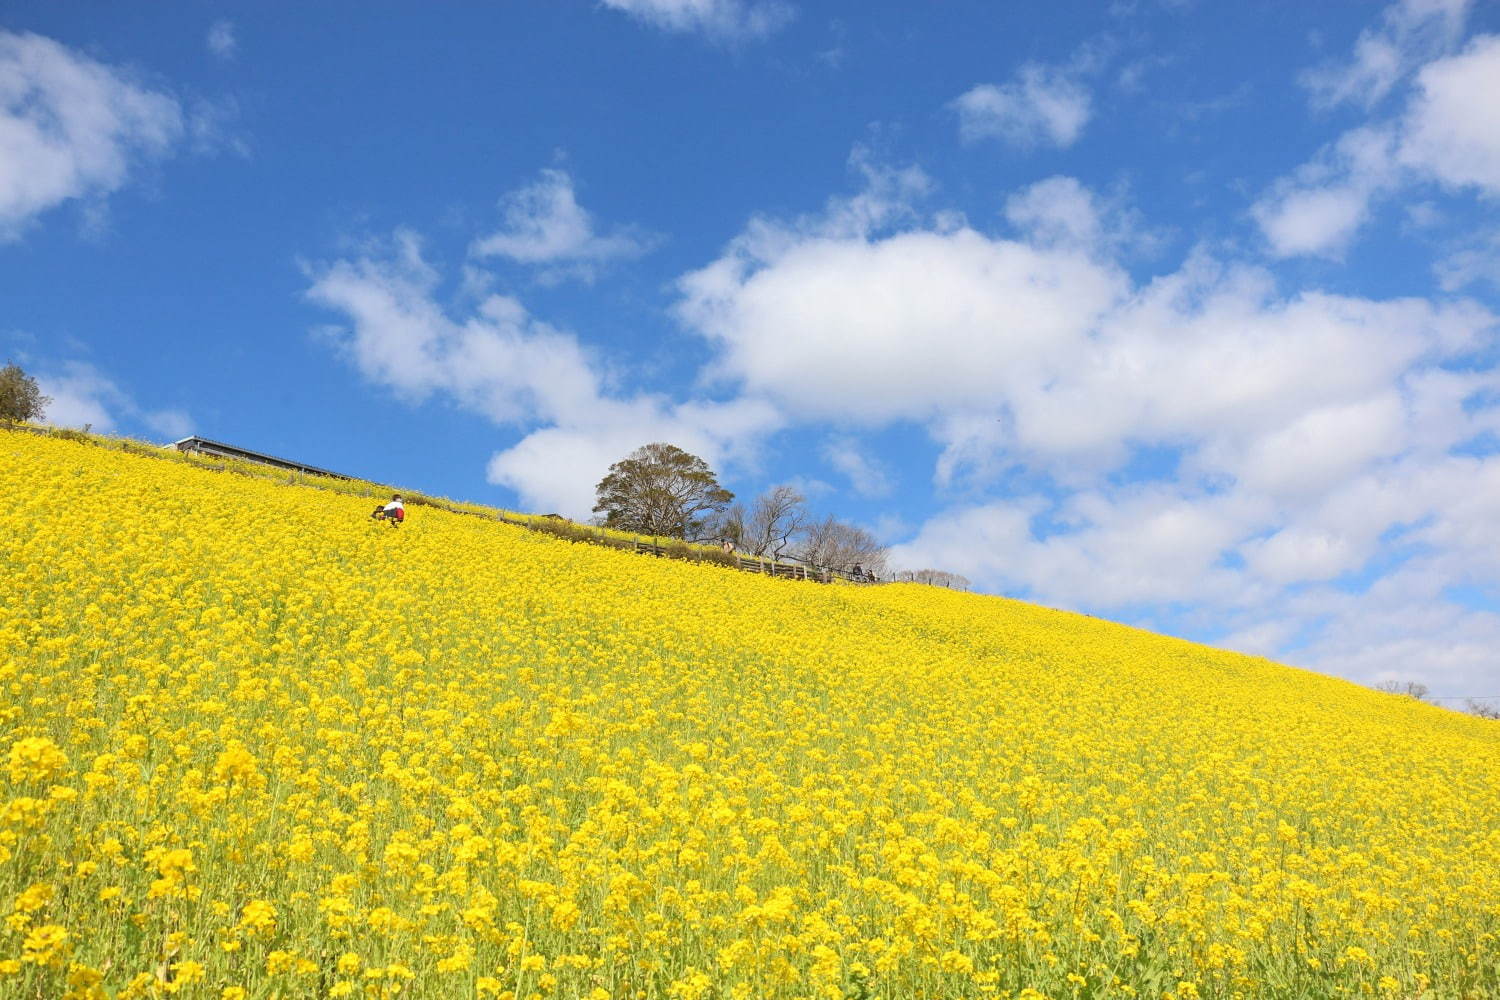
<point>196,443</point>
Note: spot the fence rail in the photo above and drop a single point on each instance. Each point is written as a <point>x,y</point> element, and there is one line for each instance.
<point>681,550</point>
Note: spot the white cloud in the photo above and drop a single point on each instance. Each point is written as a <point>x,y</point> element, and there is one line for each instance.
<point>869,330</point>
<point>83,396</point>
<point>1042,105</point>
<point>1448,131</point>
<point>1260,639</point>
<point>173,425</point>
<point>71,128</point>
<point>1058,210</point>
<point>1061,212</point>
<point>556,468</point>
<point>1320,447</point>
<point>1313,220</point>
<point>1140,550</point>
<point>499,362</point>
<point>1296,554</point>
<point>1124,548</point>
<point>545,225</point>
<point>1043,351</point>
<point>221,41</point>
<point>1120,549</point>
<point>1453,122</point>
<point>868,476</point>
<point>1322,205</point>
<point>1308,429</point>
<point>1478,261</point>
<point>515,370</point>
<point>720,20</point>
<point>1410,33</point>
<point>1401,628</point>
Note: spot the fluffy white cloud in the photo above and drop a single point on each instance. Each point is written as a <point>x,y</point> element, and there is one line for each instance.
<point>83,396</point>
<point>71,128</point>
<point>556,468</point>
<point>1245,560</point>
<point>221,41</point>
<point>1402,628</point>
<point>1453,123</point>
<point>721,20</point>
<point>1321,447</point>
<point>1042,105</point>
<point>500,362</point>
<point>1448,131</point>
<point>1115,550</point>
<point>871,330</point>
<point>1061,212</point>
<point>837,323</point>
<point>1045,350</point>
<point>1410,33</point>
<point>1319,208</point>
<point>1166,551</point>
<point>545,225</point>
<point>1058,210</point>
<point>1313,220</point>
<point>1307,430</point>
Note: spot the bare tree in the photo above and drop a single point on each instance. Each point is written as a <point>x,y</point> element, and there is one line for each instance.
<point>832,544</point>
<point>20,398</point>
<point>659,489</point>
<point>775,520</point>
<point>1411,689</point>
<point>1483,709</point>
<point>728,526</point>
<point>933,577</point>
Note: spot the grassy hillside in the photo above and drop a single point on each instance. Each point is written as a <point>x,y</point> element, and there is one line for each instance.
<point>256,745</point>
<point>371,490</point>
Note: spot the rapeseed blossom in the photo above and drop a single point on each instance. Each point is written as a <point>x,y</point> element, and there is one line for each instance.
<point>302,756</point>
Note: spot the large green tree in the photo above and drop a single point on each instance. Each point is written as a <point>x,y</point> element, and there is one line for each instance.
<point>659,489</point>
<point>20,398</point>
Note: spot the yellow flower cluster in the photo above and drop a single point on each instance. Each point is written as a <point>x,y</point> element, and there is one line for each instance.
<point>258,746</point>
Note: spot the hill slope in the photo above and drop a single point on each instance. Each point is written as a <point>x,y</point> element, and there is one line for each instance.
<point>255,742</point>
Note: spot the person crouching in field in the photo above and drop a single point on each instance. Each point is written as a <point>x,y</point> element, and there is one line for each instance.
<point>393,512</point>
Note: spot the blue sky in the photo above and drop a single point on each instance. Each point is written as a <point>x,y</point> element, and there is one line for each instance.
<point>1179,313</point>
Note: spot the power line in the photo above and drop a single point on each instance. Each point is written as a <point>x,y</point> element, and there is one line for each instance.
<point>1468,697</point>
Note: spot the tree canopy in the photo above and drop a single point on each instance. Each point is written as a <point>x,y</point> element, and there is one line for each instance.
<point>20,398</point>
<point>659,489</point>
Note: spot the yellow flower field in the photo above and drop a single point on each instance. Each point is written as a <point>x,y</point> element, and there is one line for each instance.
<point>255,745</point>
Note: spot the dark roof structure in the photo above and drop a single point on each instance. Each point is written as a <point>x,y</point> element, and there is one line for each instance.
<point>206,447</point>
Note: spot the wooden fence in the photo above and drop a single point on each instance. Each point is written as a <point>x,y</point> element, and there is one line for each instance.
<point>681,550</point>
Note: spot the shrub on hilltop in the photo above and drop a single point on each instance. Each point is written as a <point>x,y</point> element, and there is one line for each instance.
<point>20,397</point>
